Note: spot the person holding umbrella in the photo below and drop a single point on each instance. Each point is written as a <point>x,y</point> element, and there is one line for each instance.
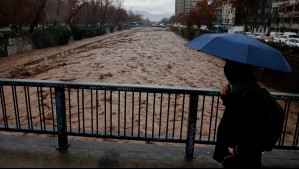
<point>244,124</point>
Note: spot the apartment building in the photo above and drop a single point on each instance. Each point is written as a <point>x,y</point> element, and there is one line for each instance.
<point>228,14</point>
<point>179,7</point>
<point>285,16</point>
<point>184,6</point>
<point>264,16</point>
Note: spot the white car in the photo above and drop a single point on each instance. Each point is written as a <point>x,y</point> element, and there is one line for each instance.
<point>290,35</point>
<point>280,39</point>
<point>258,35</point>
<point>293,42</point>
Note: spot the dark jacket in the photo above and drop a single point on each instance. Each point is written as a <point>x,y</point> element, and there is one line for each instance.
<point>242,126</point>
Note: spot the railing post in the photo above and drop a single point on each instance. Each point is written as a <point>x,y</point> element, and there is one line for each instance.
<point>193,105</point>
<point>61,119</point>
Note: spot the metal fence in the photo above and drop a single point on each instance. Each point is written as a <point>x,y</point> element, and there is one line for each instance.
<point>133,112</point>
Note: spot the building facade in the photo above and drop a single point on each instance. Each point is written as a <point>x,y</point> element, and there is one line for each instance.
<point>228,14</point>
<point>263,16</point>
<point>179,7</point>
<point>285,16</point>
<point>184,6</point>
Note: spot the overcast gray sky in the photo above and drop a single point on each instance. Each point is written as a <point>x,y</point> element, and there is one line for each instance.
<point>152,6</point>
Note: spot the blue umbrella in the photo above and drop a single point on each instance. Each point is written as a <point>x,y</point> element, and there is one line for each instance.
<point>241,48</point>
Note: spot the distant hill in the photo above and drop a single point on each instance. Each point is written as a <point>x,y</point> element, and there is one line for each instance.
<point>152,17</point>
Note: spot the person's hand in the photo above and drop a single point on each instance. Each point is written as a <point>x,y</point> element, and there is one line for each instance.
<point>226,89</point>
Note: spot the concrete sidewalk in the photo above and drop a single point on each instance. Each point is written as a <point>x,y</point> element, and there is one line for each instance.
<point>40,152</point>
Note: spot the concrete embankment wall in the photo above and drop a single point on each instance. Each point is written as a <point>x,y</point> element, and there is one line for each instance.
<point>14,45</point>
<point>287,82</point>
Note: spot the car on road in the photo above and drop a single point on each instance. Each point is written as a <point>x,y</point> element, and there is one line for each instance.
<point>274,34</point>
<point>292,42</point>
<point>280,39</point>
<point>258,35</point>
<point>290,35</point>
<point>293,37</point>
<point>266,39</point>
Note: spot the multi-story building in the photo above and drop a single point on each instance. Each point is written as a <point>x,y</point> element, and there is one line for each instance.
<point>228,14</point>
<point>218,14</point>
<point>263,16</point>
<point>184,6</point>
<point>285,16</point>
<point>179,7</point>
<point>258,18</point>
<point>255,19</point>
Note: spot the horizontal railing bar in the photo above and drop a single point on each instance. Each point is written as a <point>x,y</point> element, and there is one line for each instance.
<point>140,137</point>
<point>285,96</point>
<point>130,87</point>
<point>110,86</point>
<point>34,131</point>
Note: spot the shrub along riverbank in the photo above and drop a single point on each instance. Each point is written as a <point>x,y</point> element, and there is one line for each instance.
<point>60,35</point>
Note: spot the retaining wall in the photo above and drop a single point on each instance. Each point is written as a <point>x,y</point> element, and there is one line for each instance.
<point>286,82</point>
<point>14,45</point>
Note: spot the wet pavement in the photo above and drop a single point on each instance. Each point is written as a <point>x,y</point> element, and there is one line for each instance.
<point>41,152</point>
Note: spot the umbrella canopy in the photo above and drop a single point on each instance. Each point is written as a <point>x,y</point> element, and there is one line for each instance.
<point>241,48</point>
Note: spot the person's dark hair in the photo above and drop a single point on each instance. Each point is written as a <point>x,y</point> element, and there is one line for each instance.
<point>236,72</point>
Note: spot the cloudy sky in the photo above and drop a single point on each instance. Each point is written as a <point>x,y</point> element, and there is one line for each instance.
<point>157,7</point>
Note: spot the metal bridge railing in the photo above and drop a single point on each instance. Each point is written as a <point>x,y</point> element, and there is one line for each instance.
<point>134,112</point>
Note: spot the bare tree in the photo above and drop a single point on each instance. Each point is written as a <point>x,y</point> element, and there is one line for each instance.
<point>95,7</point>
<point>105,4</point>
<point>17,12</point>
<point>34,12</point>
<point>202,14</point>
<point>74,8</point>
<point>120,13</point>
<point>57,12</point>
<point>41,5</point>
<point>179,18</point>
<point>132,17</point>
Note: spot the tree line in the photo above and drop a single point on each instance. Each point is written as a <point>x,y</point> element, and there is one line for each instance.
<point>40,13</point>
<point>98,13</point>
